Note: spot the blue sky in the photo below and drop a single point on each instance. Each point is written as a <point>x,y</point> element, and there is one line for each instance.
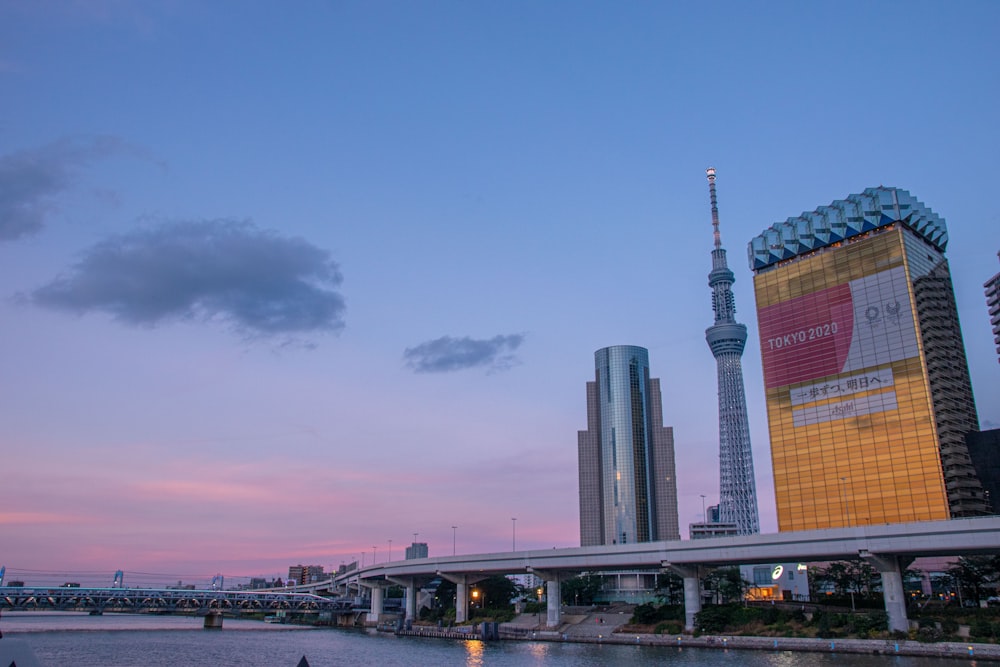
<point>284,282</point>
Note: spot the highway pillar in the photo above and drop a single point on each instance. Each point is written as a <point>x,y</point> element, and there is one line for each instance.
<point>461,602</point>
<point>893,593</point>
<point>375,615</point>
<point>410,601</point>
<point>553,592</point>
<point>462,583</point>
<point>692,591</point>
<point>213,621</point>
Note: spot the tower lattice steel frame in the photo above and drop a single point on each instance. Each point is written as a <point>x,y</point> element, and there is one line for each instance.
<point>727,338</point>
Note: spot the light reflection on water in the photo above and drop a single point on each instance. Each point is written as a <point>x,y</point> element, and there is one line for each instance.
<point>474,653</point>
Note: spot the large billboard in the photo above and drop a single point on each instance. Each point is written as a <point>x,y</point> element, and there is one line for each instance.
<point>848,331</point>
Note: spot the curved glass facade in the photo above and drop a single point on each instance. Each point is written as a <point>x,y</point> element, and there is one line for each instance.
<point>623,375</point>
<point>628,490</point>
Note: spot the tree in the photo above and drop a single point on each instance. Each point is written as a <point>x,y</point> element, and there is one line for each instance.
<point>976,577</point>
<point>444,596</point>
<point>581,590</point>
<point>844,578</point>
<point>496,592</point>
<point>727,584</point>
<point>670,588</point>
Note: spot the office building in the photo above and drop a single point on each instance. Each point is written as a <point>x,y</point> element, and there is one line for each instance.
<point>628,485</point>
<point>305,574</point>
<point>416,550</point>
<point>706,529</point>
<point>992,287</point>
<point>866,380</point>
<point>984,452</point>
<point>726,338</point>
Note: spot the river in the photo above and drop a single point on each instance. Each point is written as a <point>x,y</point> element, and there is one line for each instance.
<point>112,640</point>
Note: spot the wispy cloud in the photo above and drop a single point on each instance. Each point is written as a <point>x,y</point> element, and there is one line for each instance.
<point>31,180</point>
<point>38,518</point>
<point>259,283</point>
<point>446,354</point>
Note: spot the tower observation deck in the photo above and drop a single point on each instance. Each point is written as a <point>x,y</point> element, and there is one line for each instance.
<point>727,338</point>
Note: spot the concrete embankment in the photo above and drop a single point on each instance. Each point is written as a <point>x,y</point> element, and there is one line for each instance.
<point>604,628</point>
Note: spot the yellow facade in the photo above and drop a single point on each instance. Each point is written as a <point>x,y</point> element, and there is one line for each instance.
<point>853,440</point>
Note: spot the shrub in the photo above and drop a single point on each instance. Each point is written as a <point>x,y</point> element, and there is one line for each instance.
<point>715,618</point>
<point>981,629</point>
<point>669,627</point>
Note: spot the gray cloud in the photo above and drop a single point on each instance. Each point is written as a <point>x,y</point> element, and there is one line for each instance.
<point>31,179</point>
<point>447,354</point>
<point>259,283</point>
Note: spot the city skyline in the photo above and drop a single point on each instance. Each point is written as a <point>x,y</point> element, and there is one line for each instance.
<point>282,285</point>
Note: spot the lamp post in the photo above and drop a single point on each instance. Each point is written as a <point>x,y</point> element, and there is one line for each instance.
<point>454,532</point>
<point>513,533</point>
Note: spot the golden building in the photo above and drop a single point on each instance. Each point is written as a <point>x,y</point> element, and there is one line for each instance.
<point>867,384</point>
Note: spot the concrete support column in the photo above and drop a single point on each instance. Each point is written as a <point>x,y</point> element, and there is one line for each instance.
<point>376,609</point>
<point>411,600</point>
<point>461,602</point>
<point>462,583</point>
<point>692,591</point>
<point>553,593</point>
<point>892,588</point>
<point>552,612</point>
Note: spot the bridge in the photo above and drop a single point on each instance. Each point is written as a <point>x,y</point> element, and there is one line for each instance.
<point>163,600</point>
<point>889,548</point>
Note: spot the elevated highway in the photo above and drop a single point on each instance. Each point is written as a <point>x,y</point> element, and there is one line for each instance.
<point>889,548</point>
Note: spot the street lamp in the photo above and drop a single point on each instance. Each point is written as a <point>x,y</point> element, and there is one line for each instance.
<point>513,533</point>
<point>454,531</point>
<point>475,597</point>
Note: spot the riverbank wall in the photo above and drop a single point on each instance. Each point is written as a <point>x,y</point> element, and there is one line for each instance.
<point>603,629</point>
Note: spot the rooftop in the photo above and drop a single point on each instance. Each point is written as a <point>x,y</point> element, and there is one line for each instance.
<point>843,219</point>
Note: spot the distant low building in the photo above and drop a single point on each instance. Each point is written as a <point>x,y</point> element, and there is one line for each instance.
<point>306,574</point>
<point>788,582</point>
<point>416,550</point>
<point>700,531</point>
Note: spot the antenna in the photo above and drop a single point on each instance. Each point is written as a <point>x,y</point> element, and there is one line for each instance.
<point>710,172</point>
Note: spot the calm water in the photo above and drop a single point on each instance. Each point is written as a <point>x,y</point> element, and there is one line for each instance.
<point>160,641</point>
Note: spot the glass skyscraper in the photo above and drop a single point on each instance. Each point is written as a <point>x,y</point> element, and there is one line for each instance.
<point>628,484</point>
<point>866,380</point>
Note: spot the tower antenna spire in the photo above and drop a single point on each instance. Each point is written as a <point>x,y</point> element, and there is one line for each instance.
<point>710,172</point>
<point>726,338</point>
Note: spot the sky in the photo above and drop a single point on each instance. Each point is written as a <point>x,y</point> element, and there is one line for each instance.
<point>301,283</point>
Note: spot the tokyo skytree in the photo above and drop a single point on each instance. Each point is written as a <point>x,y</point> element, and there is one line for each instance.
<point>726,338</point>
